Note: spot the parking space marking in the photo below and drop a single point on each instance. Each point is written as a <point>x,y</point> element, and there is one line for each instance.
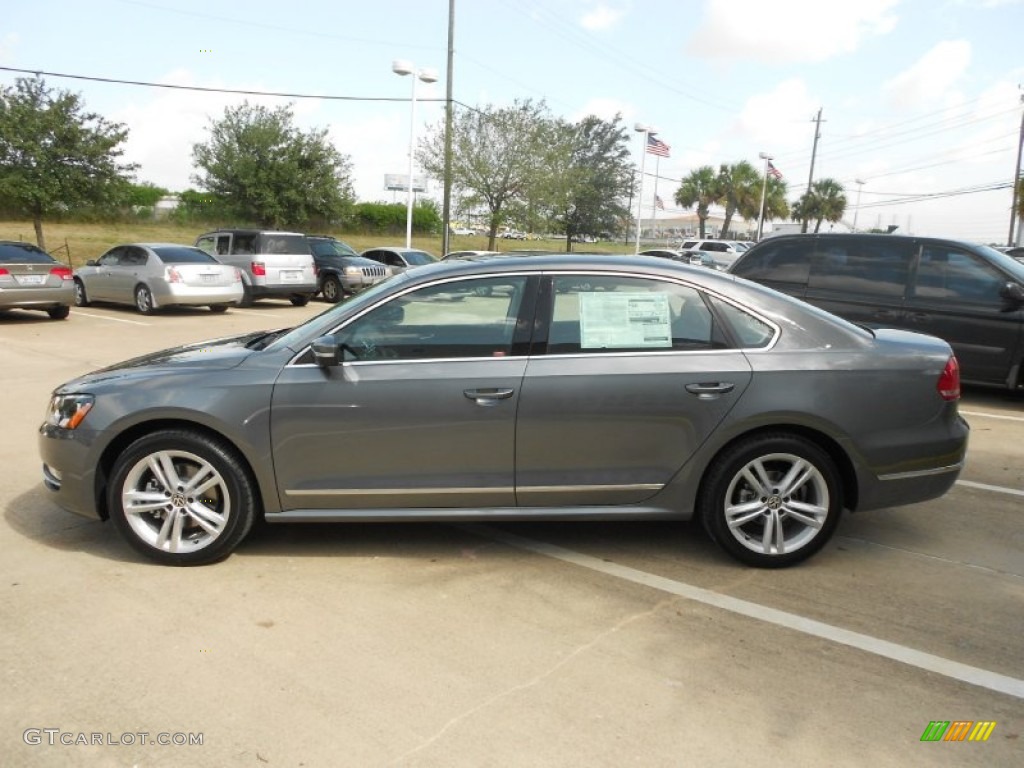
<point>955,670</point>
<point>987,487</point>
<point>992,415</point>
<point>111,319</point>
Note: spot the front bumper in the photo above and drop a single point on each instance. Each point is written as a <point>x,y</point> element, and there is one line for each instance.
<point>70,470</point>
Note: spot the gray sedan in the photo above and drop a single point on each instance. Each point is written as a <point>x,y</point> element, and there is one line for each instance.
<point>151,276</point>
<point>518,389</point>
<point>30,278</point>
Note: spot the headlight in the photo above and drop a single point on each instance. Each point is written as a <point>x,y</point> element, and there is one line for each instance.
<point>353,270</point>
<point>67,411</point>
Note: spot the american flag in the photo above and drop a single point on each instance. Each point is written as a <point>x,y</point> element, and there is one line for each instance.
<point>657,146</point>
<point>774,172</point>
<point>658,203</point>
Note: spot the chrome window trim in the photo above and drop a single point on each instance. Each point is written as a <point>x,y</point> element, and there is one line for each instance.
<point>555,273</point>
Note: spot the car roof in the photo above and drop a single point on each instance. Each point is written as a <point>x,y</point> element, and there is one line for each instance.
<point>229,231</point>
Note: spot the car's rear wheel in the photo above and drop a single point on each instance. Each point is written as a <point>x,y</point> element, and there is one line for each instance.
<point>332,290</point>
<point>218,308</point>
<point>81,300</point>
<point>59,313</point>
<point>771,500</point>
<point>182,498</point>
<point>300,299</point>
<point>144,300</point>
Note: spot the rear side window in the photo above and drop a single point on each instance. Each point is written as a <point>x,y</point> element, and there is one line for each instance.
<point>23,253</point>
<point>595,314</point>
<point>777,262</point>
<point>244,244</point>
<point>951,274</point>
<point>274,243</point>
<point>876,267</point>
<point>751,332</point>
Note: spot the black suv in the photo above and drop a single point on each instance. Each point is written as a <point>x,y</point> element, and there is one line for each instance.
<point>970,295</point>
<point>342,271</point>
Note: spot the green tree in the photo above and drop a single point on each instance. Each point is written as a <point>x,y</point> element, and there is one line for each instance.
<point>1020,198</point>
<point>495,156</point>
<point>145,195</point>
<point>585,176</point>
<point>268,171</point>
<point>54,155</point>
<point>824,201</point>
<point>739,189</point>
<point>699,188</point>
<point>775,205</point>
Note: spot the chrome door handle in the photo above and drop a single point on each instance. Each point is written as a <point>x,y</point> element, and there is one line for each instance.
<point>709,390</point>
<point>488,395</point>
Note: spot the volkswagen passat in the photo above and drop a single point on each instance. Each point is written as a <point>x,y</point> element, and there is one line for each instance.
<point>518,388</point>
<point>151,276</point>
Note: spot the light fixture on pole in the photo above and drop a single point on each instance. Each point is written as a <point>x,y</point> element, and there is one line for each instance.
<point>401,67</point>
<point>764,189</point>
<point>646,130</point>
<point>860,188</point>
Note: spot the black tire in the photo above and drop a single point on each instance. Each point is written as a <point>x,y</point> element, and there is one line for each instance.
<point>332,290</point>
<point>246,296</point>
<point>218,308</point>
<point>59,313</point>
<point>300,299</point>
<point>800,515</point>
<point>81,300</point>
<point>144,300</point>
<point>227,504</point>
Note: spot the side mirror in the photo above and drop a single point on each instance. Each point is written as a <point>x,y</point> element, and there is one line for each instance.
<point>1013,292</point>
<point>92,263</point>
<point>326,351</point>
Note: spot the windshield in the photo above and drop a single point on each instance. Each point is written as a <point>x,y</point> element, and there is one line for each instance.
<point>183,255</point>
<point>331,248</point>
<point>1008,263</point>
<point>418,258</point>
<point>329,317</point>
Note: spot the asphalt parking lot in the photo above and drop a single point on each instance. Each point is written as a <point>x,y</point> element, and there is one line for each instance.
<point>512,645</point>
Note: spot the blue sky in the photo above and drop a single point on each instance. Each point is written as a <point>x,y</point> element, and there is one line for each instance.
<point>918,96</point>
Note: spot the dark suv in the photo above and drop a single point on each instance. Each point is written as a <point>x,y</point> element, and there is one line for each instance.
<point>970,295</point>
<point>340,270</point>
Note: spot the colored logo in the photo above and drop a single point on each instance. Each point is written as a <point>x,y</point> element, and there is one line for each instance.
<point>958,730</point>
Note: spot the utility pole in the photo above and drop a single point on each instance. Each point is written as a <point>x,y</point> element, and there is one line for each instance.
<point>1016,178</point>
<point>814,154</point>
<point>446,212</point>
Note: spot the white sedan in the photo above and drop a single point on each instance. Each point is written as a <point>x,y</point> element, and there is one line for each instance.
<point>151,276</point>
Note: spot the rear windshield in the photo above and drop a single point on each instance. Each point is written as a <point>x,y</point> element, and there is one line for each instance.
<point>416,258</point>
<point>23,253</point>
<point>184,255</point>
<point>283,244</point>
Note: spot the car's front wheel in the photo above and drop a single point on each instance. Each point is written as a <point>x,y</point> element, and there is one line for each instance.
<point>81,300</point>
<point>771,500</point>
<point>332,290</point>
<point>182,498</point>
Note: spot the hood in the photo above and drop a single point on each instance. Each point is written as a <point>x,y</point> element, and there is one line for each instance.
<point>217,354</point>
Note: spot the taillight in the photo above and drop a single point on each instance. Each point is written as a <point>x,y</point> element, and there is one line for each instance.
<point>949,381</point>
<point>64,273</point>
<point>4,272</point>
<point>173,275</point>
<point>259,269</point>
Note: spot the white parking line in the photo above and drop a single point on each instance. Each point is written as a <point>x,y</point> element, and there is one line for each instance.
<point>79,312</point>
<point>992,415</point>
<point>987,487</point>
<point>983,678</point>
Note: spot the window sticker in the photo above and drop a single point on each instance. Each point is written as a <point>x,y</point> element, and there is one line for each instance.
<point>624,320</point>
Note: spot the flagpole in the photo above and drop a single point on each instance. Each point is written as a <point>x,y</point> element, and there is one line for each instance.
<point>645,130</point>
<point>654,200</point>
<point>764,188</point>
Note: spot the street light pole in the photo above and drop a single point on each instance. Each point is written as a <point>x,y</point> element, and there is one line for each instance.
<point>860,188</point>
<point>764,189</point>
<point>401,67</point>
<point>646,130</point>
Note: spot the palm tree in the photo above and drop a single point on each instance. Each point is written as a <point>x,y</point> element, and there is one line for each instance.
<point>775,205</point>
<point>824,201</point>
<point>699,188</point>
<point>739,187</point>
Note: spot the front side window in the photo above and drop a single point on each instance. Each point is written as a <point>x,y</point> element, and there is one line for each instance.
<point>207,244</point>
<point>456,319</point>
<point>628,314</point>
<point>111,258</point>
<point>946,273</point>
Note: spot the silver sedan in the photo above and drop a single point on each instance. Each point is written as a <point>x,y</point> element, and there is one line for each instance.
<point>30,278</point>
<point>151,276</point>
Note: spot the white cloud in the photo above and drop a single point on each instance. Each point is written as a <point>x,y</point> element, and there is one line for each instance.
<point>606,109</point>
<point>601,17</point>
<point>789,30</point>
<point>932,78</point>
<point>778,120</point>
<point>7,45</point>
